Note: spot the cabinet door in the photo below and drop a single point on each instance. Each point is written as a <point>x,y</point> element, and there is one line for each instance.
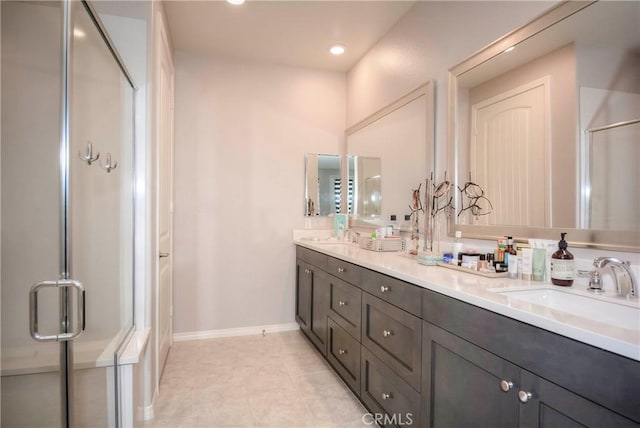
<point>319,310</point>
<point>463,384</point>
<point>345,306</point>
<point>549,405</point>
<point>394,336</point>
<point>343,352</point>
<point>304,287</point>
<point>391,399</point>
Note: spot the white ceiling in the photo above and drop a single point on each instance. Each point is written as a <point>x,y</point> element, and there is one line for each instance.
<point>295,33</point>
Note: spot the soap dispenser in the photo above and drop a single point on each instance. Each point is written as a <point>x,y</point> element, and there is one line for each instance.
<point>562,265</point>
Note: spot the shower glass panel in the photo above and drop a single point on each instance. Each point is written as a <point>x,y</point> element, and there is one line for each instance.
<point>101,207</point>
<point>31,208</point>
<point>46,232</point>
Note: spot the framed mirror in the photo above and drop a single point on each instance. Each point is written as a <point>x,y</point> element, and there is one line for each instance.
<point>322,184</point>
<point>546,121</point>
<point>390,153</point>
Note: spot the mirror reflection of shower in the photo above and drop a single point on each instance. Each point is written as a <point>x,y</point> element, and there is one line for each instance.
<point>366,173</point>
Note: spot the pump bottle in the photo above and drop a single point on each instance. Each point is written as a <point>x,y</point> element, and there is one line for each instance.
<point>562,265</point>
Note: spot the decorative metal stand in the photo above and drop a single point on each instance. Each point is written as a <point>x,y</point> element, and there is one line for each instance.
<point>416,209</point>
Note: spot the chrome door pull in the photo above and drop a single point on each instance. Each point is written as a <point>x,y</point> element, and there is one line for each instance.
<point>33,310</point>
<point>163,255</point>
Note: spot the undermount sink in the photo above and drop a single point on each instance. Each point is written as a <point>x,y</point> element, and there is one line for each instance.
<point>624,314</point>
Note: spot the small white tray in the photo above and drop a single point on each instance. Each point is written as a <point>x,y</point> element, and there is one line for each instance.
<point>382,244</point>
<point>474,272</point>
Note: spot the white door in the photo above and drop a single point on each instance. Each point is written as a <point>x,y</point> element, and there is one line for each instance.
<point>164,198</point>
<point>509,155</point>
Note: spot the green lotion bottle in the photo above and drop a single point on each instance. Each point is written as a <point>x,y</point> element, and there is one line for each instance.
<point>562,265</point>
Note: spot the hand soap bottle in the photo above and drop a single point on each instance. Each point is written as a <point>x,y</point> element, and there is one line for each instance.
<point>562,265</point>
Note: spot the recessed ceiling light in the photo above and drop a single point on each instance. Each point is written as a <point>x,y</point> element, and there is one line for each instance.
<point>77,32</point>
<point>507,50</point>
<point>236,2</point>
<point>337,49</point>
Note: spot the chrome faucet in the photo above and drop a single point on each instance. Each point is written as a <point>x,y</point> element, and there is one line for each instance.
<point>353,236</point>
<point>626,283</point>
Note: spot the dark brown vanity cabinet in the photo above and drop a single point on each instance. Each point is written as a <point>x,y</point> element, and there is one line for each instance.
<point>419,358</point>
<point>312,296</point>
<point>466,386</point>
<point>483,369</point>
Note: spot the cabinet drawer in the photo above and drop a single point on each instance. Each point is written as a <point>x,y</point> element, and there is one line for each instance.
<point>312,257</point>
<point>345,306</point>
<point>402,294</point>
<point>344,355</point>
<point>394,336</point>
<point>384,391</point>
<point>345,270</point>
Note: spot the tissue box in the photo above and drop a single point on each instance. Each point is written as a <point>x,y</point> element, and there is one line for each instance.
<point>340,223</point>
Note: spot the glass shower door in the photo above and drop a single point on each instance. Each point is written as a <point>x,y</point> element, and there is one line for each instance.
<point>101,208</point>
<point>31,217</point>
<point>67,213</point>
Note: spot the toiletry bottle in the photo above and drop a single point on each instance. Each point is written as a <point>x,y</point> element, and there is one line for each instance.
<point>457,247</point>
<point>499,253</point>
<point>513,261</point>
<point>562,265</point>
<point>510,251</point>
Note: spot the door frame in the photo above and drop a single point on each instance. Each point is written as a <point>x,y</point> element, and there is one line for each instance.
<point>162,50</point>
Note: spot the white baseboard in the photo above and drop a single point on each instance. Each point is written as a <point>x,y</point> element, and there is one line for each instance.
<point>230,332</point>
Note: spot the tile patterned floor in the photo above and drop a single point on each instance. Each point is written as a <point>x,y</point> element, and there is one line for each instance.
<point>277,381</point>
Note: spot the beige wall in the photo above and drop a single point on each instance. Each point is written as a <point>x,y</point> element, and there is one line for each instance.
<point>241,132</point>
<point>431,38</point>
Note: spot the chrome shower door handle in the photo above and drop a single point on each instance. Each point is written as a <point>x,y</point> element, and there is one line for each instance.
<point>33,310</point>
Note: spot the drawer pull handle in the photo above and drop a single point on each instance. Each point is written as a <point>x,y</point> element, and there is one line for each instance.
<point>342,303</point>
<point>384,289</point>
<point>387,333</point>
<point>505,385</point>
<point>386,396</point>
<point>524,396</point>
<point>342,351</point>
<point>341,270</point>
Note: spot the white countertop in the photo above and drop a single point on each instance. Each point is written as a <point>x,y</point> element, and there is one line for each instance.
<point>476,290</point>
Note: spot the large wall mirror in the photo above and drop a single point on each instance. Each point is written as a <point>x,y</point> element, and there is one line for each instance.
<point>390,153</point>
<point>546,121</point>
